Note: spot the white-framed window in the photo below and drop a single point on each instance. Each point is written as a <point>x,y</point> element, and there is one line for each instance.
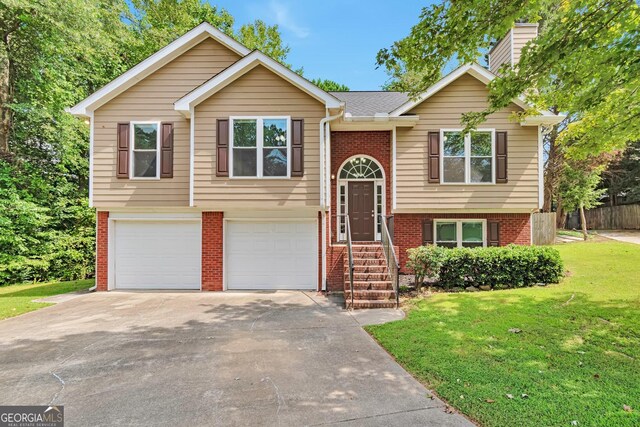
<point>145,150</point>
<point>461,233</point>
<point>260,147</point>
<point>467,158</point>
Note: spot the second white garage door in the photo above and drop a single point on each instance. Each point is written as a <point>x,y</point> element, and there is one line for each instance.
<point>271,255</point>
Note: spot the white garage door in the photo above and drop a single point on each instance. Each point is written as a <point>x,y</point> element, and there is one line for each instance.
<point>272,255</point>
<point>157,254</point>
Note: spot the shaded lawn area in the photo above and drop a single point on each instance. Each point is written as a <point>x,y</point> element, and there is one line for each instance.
<point>18,299</point>
<point>577,357</point>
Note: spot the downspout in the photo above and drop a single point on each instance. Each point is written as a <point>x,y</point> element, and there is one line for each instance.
<point>325,183</point>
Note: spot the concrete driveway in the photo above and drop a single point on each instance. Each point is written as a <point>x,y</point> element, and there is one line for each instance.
<point>629,236</point>
<point>283,358</point>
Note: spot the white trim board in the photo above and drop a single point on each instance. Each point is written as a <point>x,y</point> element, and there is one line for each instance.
<point>239,69</point>
<point>153,63</point>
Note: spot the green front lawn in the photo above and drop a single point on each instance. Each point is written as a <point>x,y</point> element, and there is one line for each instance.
<point>576,359</point>
<point>18,299</point>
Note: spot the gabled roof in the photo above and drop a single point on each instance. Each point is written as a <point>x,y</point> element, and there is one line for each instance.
<point>480,73</point>
<point>241,67</point>
<point>370,103</point>
<point>153,63</point>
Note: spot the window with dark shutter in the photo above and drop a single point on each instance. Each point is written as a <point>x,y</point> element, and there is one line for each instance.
<point>434,157</point>
<point>501,158</point>
<point>166,151</point>
<point>427,232</point>
<point>297,147</point>
<point>122,168</point>
<point>493,233</point>
<point>222,147</point>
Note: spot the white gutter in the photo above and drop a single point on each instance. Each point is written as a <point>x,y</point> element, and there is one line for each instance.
<point>325,182</point>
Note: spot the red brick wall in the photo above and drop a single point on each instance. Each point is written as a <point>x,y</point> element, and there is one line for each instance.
<point>102,251</point>
<point>376,144</point>
<point>514,228</point>
<point>212,250</point>
<point>319,251</point>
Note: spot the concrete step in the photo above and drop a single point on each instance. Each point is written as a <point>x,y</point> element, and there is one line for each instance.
<point>371,304</point>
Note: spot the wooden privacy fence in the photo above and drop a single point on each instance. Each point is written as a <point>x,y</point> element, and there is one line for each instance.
<point>543,228</point>
<point>623,217</point>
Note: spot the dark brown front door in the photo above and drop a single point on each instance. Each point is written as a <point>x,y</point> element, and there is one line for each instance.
<point>361,210</point>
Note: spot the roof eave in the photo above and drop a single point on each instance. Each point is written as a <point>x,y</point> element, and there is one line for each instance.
<point>185,104</point>
<point>153,63</point>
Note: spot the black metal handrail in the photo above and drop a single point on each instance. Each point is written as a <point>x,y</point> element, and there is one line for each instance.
<point>392,260</point>
<point>350,252</point>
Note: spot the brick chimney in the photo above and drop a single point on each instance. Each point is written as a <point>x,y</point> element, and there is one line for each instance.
<point>507,50</point>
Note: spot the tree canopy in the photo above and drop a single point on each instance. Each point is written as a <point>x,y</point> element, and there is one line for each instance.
<point>585,62</point>
<point>329,85</point>
<point>53,54</point>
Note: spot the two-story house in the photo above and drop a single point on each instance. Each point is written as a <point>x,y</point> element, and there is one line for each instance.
<point>214,167</point>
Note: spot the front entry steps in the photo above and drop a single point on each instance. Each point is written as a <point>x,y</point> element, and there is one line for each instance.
<point>372,286</point>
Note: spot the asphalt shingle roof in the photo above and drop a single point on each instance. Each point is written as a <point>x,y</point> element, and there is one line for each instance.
<point>368,103</point>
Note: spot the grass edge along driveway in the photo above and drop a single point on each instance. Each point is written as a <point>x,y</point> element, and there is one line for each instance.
<point>576,361</point>
<point>18,299</point>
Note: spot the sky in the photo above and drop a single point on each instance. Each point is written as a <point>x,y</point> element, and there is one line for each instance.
<point>333,39</point>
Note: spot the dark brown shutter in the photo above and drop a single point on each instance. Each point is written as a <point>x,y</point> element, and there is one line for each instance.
<point>501,158</point>
<point>493,233</point>
<point>434,157</point>
<point>427,232</point>
<point>222,147</point>
<point>166,151</point>
<point>122,168</point>
<point>297,147</point>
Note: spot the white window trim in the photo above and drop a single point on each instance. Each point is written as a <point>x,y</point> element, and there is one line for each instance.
<point>260,146</point>
<point>458,223</point>
<point>132,149</point>
<point>467,157</point>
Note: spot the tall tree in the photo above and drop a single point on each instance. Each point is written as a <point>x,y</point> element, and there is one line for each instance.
<point>621,179</point>
<point>156,23</point>
<point>578,188</point>
<point>585,62</point>
<point>330,86</point>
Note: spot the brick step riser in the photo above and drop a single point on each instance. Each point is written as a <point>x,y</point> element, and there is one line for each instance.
<point>370,295</point>
<point>378,286</point>
<point>362,269</point>
<point>368,277</point>
<point>367,261</point>
<point>367,255</point>
<point>371,304</point>
<point>366,249</point>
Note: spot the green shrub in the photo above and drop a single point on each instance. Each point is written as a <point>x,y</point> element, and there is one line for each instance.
<point>499,268</point>
<point>425,261</point>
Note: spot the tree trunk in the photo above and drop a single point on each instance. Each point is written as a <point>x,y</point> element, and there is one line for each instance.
<point>552,169</point>
<point>5,96</point>
<point>583,222</point>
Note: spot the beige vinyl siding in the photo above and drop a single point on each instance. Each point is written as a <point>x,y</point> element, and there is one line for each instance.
<point>521,35</point>
<point>444,110</point>
<point>259,92</point>
<point>500,54</point>
<point>152,100</point>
